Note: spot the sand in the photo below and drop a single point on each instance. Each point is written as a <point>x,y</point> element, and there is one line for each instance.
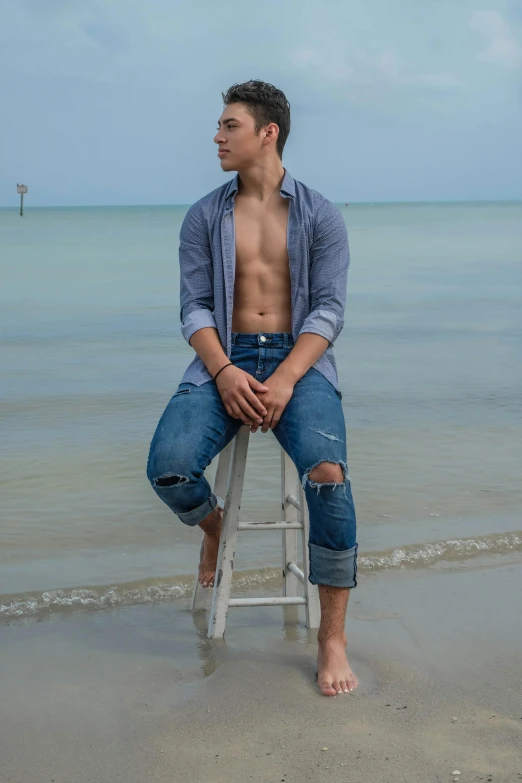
<point>140,694</point>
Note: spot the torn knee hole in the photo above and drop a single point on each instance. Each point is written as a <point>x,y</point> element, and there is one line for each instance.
<point>330,472</point>
<point>326,474</point>
<point>170,480</point>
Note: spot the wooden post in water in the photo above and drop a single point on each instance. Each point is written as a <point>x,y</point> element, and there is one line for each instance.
<point>21,189</point>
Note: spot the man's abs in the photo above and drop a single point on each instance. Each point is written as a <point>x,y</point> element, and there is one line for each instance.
<point>262,292</point>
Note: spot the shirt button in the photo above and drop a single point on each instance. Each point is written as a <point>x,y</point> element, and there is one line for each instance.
<point>263,338</point>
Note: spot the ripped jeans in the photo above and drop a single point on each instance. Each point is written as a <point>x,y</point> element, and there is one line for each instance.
<point>195,427</point>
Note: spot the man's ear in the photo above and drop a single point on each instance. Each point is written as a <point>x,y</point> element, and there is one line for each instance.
<point>272,127</point>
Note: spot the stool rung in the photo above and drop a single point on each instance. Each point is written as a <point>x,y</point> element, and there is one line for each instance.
<point>293,502</point>
<point>294,527</point>
<point>270,526</point>
<point>276,601</point>
<point>293,568</point>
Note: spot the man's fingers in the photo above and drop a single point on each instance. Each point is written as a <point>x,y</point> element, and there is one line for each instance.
<point>242,410</point>
<point>267,420</point>
<point>255,384</point>
<point>275,420</point>
<point>250,412</point>
<point>256,403</point>
<point>271,420</point>
<point>237,413</point>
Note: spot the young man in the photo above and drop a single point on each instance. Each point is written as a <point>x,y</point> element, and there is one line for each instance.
<point>263,262</point>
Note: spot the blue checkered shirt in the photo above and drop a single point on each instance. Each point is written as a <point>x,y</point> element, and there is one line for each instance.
<point>318,253</point>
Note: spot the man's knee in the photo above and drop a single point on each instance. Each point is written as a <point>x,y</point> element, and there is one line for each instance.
<point>168,473</point>
<point>169,480</point>
<point>327,473</point>
<point>164,469</point>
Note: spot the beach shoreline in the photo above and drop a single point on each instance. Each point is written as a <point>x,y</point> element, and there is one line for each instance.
<point>139,692</point>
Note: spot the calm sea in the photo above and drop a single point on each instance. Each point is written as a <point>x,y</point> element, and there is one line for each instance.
<point>430,364</point>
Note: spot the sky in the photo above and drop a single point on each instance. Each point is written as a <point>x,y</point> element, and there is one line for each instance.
<point>116,101</point>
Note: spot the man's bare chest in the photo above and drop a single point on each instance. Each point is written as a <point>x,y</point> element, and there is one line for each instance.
<point>261,235</point>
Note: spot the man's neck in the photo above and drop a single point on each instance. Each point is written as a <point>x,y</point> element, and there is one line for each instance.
<point>262,180</point>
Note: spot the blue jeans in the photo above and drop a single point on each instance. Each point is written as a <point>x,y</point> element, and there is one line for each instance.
<point>195,427</point>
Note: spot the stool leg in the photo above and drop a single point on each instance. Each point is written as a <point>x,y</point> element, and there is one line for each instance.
<point>313,607</point>
<point>289,482</point>
<point>200,593</point>
<point>227,544</point>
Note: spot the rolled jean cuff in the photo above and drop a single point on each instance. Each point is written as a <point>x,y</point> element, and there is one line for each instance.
<point>197,515</point>
<point>333,568</point>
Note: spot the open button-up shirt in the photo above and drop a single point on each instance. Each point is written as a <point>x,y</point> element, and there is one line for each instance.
<point>318,253</point>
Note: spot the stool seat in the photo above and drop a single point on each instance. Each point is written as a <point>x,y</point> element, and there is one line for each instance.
<point>228,487</point>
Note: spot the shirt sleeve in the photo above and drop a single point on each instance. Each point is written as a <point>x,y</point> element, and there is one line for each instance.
<point>196,274</point>
<point>329,262</point>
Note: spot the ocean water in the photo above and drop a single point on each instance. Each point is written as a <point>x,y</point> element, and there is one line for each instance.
<point>430,365</point>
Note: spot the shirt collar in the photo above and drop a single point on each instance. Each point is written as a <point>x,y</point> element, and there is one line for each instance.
<point>287,186</point>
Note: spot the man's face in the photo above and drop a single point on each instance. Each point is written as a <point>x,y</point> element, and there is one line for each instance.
<point>238,143</point>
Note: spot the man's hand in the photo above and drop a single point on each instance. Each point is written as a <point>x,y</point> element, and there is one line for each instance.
<point>235,387</point>
<point>280,391</point>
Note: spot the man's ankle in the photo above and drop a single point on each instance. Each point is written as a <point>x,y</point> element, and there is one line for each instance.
<point>211,524</point>
<point>325,636</point>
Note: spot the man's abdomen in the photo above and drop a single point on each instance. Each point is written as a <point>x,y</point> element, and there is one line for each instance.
<point>252,321</point>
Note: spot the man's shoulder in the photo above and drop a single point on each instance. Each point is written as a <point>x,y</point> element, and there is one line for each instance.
<point>212,199</point>
<point>314,200</point>
<point>204,212</point>
<point>322,214</point>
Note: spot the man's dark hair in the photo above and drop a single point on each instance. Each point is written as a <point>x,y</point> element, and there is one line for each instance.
<point>265,103</point>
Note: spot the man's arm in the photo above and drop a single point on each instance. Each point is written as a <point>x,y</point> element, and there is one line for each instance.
<point>306,351</point>
<point>198,325</point>
<point>196,291</point>
<point>329,262</point>
<point>208,347</point>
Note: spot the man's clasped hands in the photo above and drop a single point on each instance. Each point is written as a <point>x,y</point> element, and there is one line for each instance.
<point>255,403</point>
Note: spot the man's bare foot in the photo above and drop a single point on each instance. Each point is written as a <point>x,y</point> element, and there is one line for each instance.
<point>210,547</point>
<point>334,674</point>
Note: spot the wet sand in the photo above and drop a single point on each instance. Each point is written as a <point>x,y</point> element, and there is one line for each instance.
<point>140,694</point>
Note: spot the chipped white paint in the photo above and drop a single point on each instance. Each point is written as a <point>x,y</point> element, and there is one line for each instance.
<point>229,485</point>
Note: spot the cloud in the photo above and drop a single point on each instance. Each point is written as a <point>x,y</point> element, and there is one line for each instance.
<point>301,57</point>
<point>47,9</point>
<point>503,48</point>
<point>382,68</point>
<point>104,34</point>
<point>436,80</point>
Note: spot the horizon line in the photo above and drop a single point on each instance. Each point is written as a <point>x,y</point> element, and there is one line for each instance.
<point>337,203</point>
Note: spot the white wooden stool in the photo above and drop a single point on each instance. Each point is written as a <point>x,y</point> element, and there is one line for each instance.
<point>228,485</point>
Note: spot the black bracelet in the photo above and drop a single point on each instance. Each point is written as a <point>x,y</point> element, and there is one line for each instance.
<point>225,365</point>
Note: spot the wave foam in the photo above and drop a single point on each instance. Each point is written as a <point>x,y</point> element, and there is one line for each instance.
<point>157,590</point>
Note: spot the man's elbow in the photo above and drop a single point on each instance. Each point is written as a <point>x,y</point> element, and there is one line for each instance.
<point>325,323</point>
<point>195,320</point>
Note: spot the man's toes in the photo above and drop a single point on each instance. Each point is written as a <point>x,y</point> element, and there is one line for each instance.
<point>352,683</point>
<point>207,579</point>
<point>327,688</point>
